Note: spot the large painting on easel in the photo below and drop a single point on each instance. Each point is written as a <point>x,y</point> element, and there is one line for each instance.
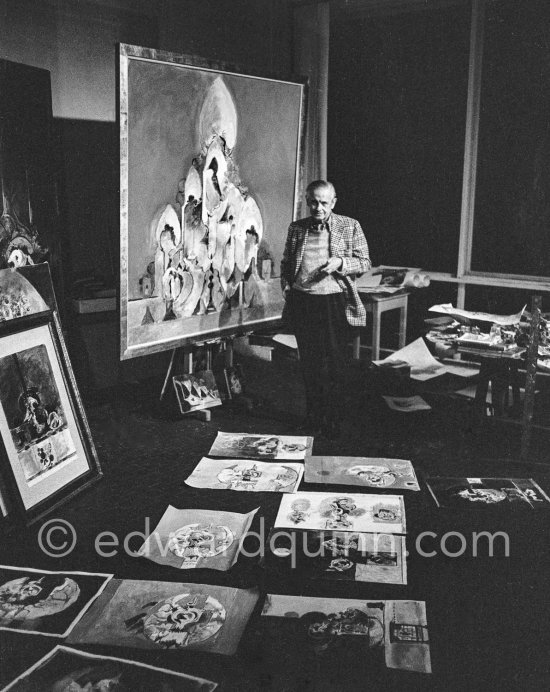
<point>210,180</point>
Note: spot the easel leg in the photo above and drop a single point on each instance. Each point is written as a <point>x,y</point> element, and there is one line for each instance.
<point>168,374</point>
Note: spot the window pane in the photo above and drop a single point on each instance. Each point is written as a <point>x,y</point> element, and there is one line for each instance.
<point>397,109</point>
<point>512,205</point>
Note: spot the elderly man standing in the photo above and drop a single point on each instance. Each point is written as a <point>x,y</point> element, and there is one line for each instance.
<point>322,256</point>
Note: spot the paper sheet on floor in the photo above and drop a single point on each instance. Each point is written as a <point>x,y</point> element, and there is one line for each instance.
<point>373,472</point>
<point>352,628</point>
<point>423,365</point>
<point>407,404</point>
<point>342,512</point>
<point>197,538</point>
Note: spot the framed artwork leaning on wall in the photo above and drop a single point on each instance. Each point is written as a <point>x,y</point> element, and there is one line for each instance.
<point>46,453</point>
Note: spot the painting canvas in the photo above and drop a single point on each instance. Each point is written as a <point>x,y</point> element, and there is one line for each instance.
<point>197,538</point>
<point>167,616</point>
<point>210,180</point>
<point>196,392</point>
<point>342,512</point>
<point>47,603</point>
<point>338,555</point>
<point>251,476</point>
<point>488,494</point>
<point>370,472</point>
<point>248,446</point>
<point>20,295</point>
<point>65,669</point>
<point>47,446</point>
<point>357,633</point>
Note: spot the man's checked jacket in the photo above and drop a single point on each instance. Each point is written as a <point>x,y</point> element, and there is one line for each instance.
<point>347,241</point>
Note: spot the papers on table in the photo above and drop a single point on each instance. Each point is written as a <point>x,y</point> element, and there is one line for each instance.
<point>391,280</point>
<point>461,315</point>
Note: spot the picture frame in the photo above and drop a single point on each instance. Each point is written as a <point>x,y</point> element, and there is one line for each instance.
<point>211,177</point>
<point>47,454</point>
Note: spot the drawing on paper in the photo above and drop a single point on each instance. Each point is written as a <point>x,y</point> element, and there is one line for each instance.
<point>362,471</point>
<point>196,392</point>
<point>193,538</point>
<point>42,602</point>
<point>225,474</point>
<point>68,670</point>
<point>246,446</point>
<point>359,513</point>
<point>487,493</point>
<point>342,556</point>
<point>362,632</point>
<point>167,615</point>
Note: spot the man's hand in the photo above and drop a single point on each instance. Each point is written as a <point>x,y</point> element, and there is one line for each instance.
<point>286,291</point>
<point>333,265</point>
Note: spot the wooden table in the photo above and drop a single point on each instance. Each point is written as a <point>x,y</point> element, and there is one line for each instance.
<point>378,303</point>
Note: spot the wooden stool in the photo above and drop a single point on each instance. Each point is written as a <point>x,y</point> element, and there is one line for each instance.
<point>378,303</point>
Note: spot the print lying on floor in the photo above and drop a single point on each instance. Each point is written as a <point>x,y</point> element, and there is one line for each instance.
<point>353,629</point>
<point>196,392</point>
<point>246,446</point>
<point>342,512</point>
<point>48,603</point>
<point>68,670</point>
<point>254,476</point>
<point>373,472</point>
<point>191,538</point>
<point>480,493</point>
<point>344,556</point>
<point>167,615</point>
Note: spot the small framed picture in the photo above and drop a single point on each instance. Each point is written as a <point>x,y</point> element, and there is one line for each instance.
<point>46,453</point>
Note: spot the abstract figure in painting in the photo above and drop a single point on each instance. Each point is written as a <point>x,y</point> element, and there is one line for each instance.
<point>207,242</point>
<point>179,621</point>
<point>29,599</point>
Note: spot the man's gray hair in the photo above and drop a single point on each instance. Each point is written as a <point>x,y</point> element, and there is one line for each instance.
<point>316,184</point>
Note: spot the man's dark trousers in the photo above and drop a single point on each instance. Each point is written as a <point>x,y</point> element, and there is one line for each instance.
<point>322,332</point>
